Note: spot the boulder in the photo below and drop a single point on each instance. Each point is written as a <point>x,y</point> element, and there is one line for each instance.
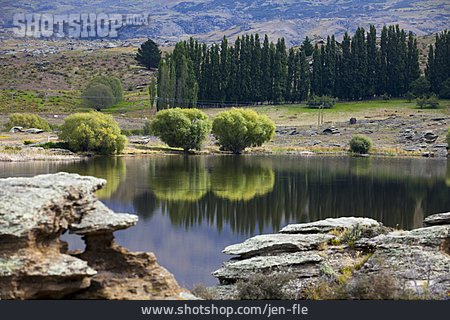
<point>348,250</point>
<point>331,130</point>
<point>16,129</point>
<point>437,219</point>
<point>327,225</point>
<point>35,263</point>
<point>418,259</point>
<point>33,130</point>
<point>241,269</point>
<point>274,243</point>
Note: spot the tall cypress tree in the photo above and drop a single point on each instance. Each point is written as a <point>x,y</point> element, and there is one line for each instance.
<point>346,74</point>
<point>307,47</point>
<point>372,61</point>
<point>412,62</point>
<point>279,71</point>
<point>359,65</point>
<point>304,81</point>
<point>266,78</point>
<point>224,69</point>
<point>382,77</point>
<point>290,90</point>
<point>438,67</point>
<point>256,69</point>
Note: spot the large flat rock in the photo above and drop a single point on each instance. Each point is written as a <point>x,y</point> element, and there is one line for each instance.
<point>327,225</point>
<point>44,203</point>
<point>276,243</point>
<point>303,263</point>
<point>437,219</point>
<point>102,219</point>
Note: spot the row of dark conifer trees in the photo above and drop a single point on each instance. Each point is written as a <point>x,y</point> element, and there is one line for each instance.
<point>252,71</point>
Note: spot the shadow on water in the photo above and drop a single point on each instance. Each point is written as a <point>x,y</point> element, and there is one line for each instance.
<point>192,207</point>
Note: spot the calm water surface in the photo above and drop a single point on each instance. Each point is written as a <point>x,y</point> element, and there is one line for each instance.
<point>190,208</point>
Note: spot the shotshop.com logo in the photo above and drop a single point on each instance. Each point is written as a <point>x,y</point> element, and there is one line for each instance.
<point>74,25</point>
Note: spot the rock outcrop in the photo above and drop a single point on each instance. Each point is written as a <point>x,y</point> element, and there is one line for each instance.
<point>36,264</point>
<point>347,249</point>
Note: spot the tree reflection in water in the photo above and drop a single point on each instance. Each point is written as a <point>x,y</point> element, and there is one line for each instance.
<point>250,194</point>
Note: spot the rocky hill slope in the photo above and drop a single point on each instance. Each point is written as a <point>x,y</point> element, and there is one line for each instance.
<point>211,19</point>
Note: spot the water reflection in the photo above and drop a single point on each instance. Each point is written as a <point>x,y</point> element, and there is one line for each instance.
<point>241,179</point>
<point>179,178</point>
<point>112,169</point>
<point>192,207</point>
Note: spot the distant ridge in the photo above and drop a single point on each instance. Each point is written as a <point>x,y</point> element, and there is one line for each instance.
<point>211,19</point>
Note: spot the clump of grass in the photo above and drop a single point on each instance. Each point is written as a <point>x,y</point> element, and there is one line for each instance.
<point>380,286</point>
<point>201,291</point>
<point>265,287</point>
<point>12,149</point>
<point>350,236</point>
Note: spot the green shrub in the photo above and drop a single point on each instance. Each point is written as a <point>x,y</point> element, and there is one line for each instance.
<point>431,102</point>
<point>181,128</point>
<point>54,145</point>
<point>321,101</point>
<point>360,144</point>
<point>102,92</point>
<point>265,287</point>
<point>238,129</point>
<point>27,120</point>
<point>92,131</point>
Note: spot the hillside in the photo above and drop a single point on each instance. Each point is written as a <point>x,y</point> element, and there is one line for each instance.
<point>211,19</point>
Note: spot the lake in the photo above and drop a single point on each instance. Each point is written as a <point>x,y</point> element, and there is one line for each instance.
<point>191,207</point>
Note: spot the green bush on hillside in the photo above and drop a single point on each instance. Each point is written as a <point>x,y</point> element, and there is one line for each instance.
<point>238,129</point>
<point>360,144</point>
<point>181,128</point>
<point>321,101</point>
<point>102,92</point>
<point>27,120</point>
<point>92,131</point>
<point>431,102</point>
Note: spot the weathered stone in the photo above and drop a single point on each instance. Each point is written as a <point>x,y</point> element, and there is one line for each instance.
<point>304,263</point>
<point>125,275</point>
<point>35,264</point>
<point>102,219</point>
<point>45,203</point>
<point>416,261</point>
<point>16,129</point>
<point>274,243</point>
<point>437,219</point>
<point>327,225</point>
